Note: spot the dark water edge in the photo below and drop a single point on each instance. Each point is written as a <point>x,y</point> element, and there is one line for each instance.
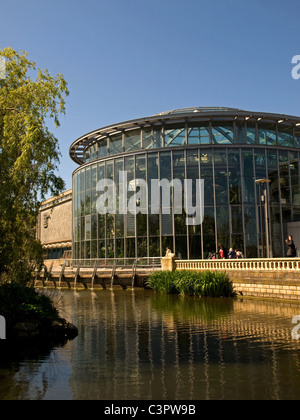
<point>137,345</point>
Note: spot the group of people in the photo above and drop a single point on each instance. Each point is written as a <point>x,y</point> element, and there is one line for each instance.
<point>223,254</point>
<point>234,253</point>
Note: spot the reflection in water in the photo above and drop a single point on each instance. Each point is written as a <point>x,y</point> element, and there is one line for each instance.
<point>138,345</point>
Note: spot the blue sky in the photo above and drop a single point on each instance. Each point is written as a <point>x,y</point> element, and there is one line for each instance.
<point>126,59</point>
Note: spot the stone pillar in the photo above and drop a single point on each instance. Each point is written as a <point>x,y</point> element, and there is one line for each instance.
<point>168,264</point>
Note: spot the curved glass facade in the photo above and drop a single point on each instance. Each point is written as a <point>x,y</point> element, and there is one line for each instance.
<point>228,155</point>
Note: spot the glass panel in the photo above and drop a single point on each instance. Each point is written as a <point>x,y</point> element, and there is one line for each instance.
<point>247,163</point>
<point>284,178</point>
<point>132,140</point>
<point>153,224</point>
<point>110,169</point>
<point>165,173</point>
<point>295,181</point>
<point>152,169</point>
<point>116,144</point>
<point>199,134</point>
<point>167,242</point>
<point>101,226</point>
<point>88,227</point>
<point>110,225</point>
<point>88,178</point>
<point>237,242</point>
<point>251,246</point>
<point>94,227</point>
<point>240,132</point>
<point>234,172</point>
<point>237,219</point>
<point>130,248</point>
<point>260,164</point>
<point>223,226</point>
<point>130,224</point>
<point>154,247</point>
<point>276,244</point>
<point>101,171</point>
<point>209,240</point>
<point>119,225</point>
<point>181,247</point>
<point>102,148</point>
<point>221,177</point>
<point>142,247</point>
<point>195,247</point>
<point>166,223</point>
<point>273,176</point>
<point>180,223</point>
<point>285,136</point>
<point>110,249</point>
<point>88,250</point>
<point>207,175</point>
<point>175,136</point>
<point>267,134</point>
<point>297,137</point>
<point>222,135</point>
<point>179,173</point>
<point>141,223</point>
<point>250,219</point>
<point>120,248</point>
<point>119,166</point>
<point>94,249</point>
<point>251,133</point>
<point>157,138</point>
<point>88,202</point>
<point>101,248</point>
<point>94,191</point>
<point>249,190</point>
<point>152,138</point>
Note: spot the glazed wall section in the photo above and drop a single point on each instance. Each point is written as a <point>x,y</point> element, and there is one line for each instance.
<point>232,199</point>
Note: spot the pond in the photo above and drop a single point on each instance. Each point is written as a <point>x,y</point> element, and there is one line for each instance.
<point>137,345</point>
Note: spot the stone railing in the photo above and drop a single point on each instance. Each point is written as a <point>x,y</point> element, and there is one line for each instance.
<point>259,264</point>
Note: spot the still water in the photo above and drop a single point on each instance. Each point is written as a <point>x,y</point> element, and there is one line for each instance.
<point>136,345</point>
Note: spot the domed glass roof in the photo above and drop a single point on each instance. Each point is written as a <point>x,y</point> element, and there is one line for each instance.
<point>198,109</point>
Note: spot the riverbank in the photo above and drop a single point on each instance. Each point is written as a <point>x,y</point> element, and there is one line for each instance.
<point>30,314</point>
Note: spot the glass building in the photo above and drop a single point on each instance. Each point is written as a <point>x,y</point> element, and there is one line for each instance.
<point>230,149</point>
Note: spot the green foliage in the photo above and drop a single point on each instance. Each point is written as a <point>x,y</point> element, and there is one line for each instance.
<point>18,301</point>
<point>162,282</point>
<point>192,283</point>
<point>29,155</point>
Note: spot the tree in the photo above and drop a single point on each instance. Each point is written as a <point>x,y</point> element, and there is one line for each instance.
<point>29,157</point>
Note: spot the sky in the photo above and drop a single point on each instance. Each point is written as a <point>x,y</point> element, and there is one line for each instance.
<point>127,59</point>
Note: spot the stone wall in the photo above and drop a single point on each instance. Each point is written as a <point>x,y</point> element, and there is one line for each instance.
<point>267,285</point>
<point>55,223</point>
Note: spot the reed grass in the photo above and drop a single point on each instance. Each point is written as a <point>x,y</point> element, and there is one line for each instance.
<point>191,283</point>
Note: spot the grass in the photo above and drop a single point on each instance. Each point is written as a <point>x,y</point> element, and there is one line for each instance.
<point>191,283</point>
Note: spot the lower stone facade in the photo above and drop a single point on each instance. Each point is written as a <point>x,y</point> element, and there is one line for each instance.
<point>267,285</point>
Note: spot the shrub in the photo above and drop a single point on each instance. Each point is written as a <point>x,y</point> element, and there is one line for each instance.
<point>191,283</point>
<point>162,282</point>
<point>17,301</point>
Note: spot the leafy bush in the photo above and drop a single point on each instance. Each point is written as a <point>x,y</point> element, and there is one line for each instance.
<point>17,301</point>
<point>191,283</point>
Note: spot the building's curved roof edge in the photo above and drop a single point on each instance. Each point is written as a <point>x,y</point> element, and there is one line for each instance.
<point>177,114</point>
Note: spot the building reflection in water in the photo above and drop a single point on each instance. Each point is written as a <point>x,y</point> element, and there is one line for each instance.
<point>138,345</point>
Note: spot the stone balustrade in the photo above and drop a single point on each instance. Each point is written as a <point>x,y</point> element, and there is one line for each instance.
<point>259,264</point>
